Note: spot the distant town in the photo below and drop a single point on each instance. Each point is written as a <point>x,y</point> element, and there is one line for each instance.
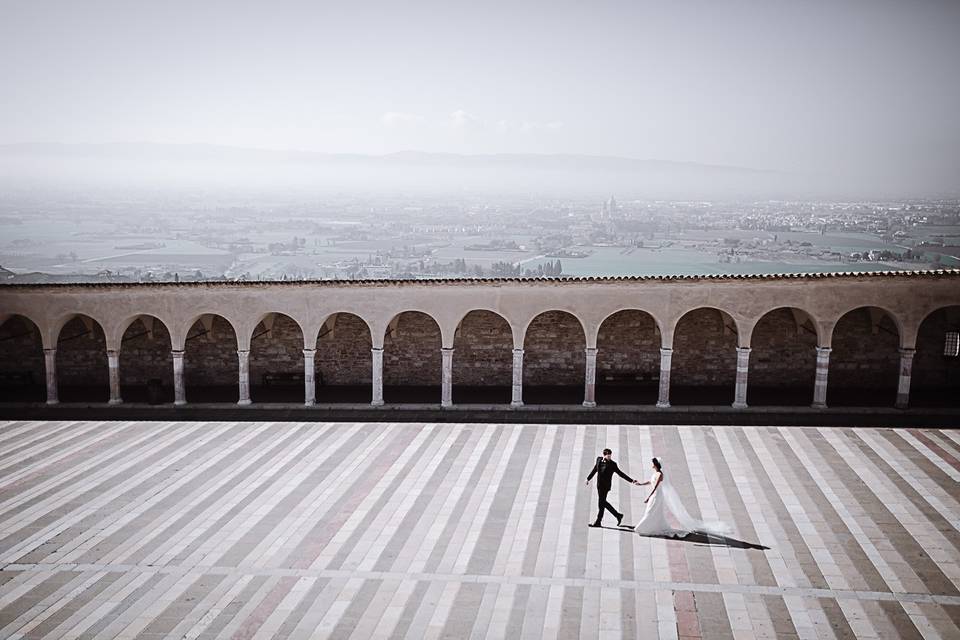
<point>199,237</point>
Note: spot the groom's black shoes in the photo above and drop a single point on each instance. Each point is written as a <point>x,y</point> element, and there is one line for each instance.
<point>595,524</point>
<point>619,519</point>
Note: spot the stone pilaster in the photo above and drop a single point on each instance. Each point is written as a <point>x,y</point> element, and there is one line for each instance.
<point>666,356</point>
<point>516,398</point>
<point>906,369</point>
<point>590,378</point>
<point>179,389</point>
<point>50,362</point>
<point>377,376</point>
<point>113,363</point>
<point>243,357</point>
<point>309,387</point>
<point>743,369</point>
<point>446,378</point>
<point>820,378</point>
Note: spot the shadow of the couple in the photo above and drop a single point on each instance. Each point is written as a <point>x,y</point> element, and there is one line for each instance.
<point>709,539</point>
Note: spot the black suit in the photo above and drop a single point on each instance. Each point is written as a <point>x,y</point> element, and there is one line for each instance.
<point>604,470</point>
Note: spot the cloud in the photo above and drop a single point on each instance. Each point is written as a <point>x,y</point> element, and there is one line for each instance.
<point>398,119</point>
<point>461,119</point>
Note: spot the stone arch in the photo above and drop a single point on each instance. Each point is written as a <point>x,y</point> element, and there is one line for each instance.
<point>210,363</point>
<point>783,358</point>
<point>146,364</point>
<point>342,366</point>
<point>482,358</point>
<point>276,359</point>
<point>865,359</point>
<point>704,363</point>
<point>554,361</point>
<point>22,368</point>
<point>83,374</point>
<point>628,358</point>
<point>935,380</point>
<point>411,358</point>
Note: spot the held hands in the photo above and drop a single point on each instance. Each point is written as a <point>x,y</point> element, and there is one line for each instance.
<point>646,500</point>
<point>637,482</point>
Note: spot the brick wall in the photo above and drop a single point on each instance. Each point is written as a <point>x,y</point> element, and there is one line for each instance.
<point>143,357</point>
<point>211,359</point>
<point>554,351</point>
<point>704,353</point>
<point>411,354</point>
<point>864,357</point>
<point>82,356</point>
<point>628,349</point>
<point>280,351</point>
<point>931,369</point>
<point>343,357</point>
<point>21,349</point>
<point>483,351</point>
<point>781,355</point>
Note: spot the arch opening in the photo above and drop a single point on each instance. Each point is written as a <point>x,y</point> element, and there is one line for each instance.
<point>704,363</point>
<point>146,363</point>
<point>554,362</point>
<point>865,359</point>
<point>783,359</point>
<point>83,374</point>
<point>628,359</point>
<point>343,366</point>
<point>210,364</point>
<point>276,360</point>
<point>22,369</point>
<point>935,379</point>
<point>411,359</point>
<point>482,359</point>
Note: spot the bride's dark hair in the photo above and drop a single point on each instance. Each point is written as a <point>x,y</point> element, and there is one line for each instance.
<point>656,463</point>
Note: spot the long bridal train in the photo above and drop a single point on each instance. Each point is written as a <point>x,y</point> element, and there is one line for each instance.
<point>665,514</point>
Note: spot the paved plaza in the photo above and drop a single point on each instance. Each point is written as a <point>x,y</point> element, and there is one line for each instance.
<point>316,530</point>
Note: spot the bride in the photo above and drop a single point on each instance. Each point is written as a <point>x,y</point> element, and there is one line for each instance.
<point>663,504</point>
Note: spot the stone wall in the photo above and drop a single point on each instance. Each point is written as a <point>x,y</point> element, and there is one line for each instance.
<point>554,351</point>
<point>210,358</point>
<point>704,351</point>
<point>343,356</point>
<point>278,351</point>
<point>628,350</point>
<point>864,357</point>
<point>82,356</point>
<point>411,353</point>
<point>931,369</point>
<point>21,350</point>
<point>483,351</point>
<point>784,354</point>
<point>144,356</point>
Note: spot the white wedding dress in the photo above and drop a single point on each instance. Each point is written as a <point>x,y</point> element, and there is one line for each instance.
<point>666,516</point>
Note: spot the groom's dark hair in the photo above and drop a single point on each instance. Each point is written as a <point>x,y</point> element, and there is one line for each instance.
<point>606,451</point>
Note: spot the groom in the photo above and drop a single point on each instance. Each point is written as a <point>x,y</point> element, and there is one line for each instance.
<point>604,470</point>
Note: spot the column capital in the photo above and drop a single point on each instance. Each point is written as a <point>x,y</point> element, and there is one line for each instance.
<point>446,349</point>
<point>243,351</point>
<point>176,353</point>
<point>376,349</point>
<point>113,352</point>
<point>823,350</point>
<point>591,351</point>
<point>50,351</point>
<point>665,351</point>
<point>309,352</point>
<point>907,352</point>
<point>520,351</point>
<point>743,350</point>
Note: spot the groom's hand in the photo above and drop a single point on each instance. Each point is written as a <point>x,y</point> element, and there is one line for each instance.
<point>636,482</point>
<point>587,483</point>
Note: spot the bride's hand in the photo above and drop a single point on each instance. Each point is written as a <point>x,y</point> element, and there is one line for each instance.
<point>646,500</point>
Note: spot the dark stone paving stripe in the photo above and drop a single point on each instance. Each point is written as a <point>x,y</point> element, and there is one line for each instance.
<point>231,610</point>
<point>46,627</point>
<point>905,545</point>
<point>424,496</point>
<point>289,441</point>
<point>900,621</point>
<point>953,612</point>
<point>135,596</point>
<point>571,612</point>
<point>845,544</point>
<point>410,609</point>
<point>779,616</point>
<point>932,471</point>
<point>628,603</point>
<point>456,516</point>
<point>572,603</point>
<point>356,609</point>
<point>40,591</point>
<point>266,606</point>
<point>251,538</point>
<point>543,503</point>
<point>838,622</point>
<point>463,613</point>
<point>34,437</point>
<point>934,446</point>
<point>491,533</point>
<point>712,615</point>
<point>330,522</point>
<point>144,520</point>
<point>518,611</point>
<point>185,603</point>
<point>293,619</point>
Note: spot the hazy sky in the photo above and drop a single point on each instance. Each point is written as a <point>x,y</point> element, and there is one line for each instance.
<point>842,86</point>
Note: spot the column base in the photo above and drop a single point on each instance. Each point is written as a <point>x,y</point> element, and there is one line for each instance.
<point>115,401</point>
<point>244,402</point>
<point>901,405</point>
<point>818,405</point>
<point>739,405</point>
<point>588,403</point>
<point>179,403</point>
<point>663,405</point>
<point>309,403</point>
<point>516,403</point>
<point>376,403</point>
<point>446,404</point>
<point>53,402</point>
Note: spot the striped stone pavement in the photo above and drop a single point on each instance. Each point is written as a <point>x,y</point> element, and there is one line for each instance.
<point>317,530</point>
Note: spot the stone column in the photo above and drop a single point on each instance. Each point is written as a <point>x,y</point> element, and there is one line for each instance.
<point>309,387</point>
<point>516,398</point>
<point>743,368</point>
<point>820,378</point>
<point>50,363</point>
<point>179,390</point>
<point>903,388</point>
<point>666,355</point>
<point>446,377</point>
<point>113,362</point>
<point>590,381</point>
<point>243,355</point>
<point>377,376</point>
